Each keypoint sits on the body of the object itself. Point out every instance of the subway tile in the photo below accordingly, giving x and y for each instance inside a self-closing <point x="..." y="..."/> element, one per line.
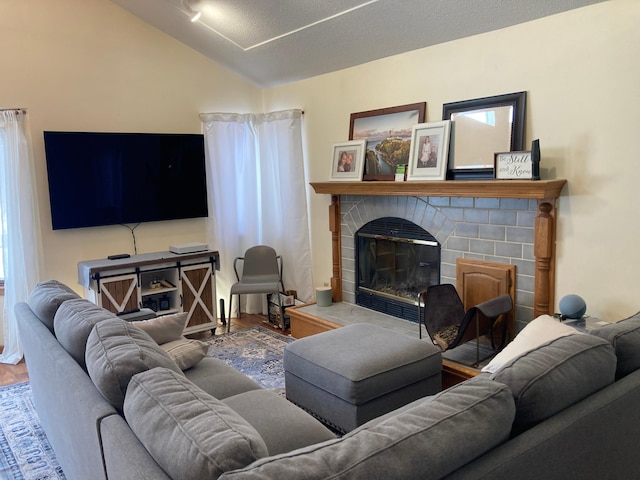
<point x="525" y="282"/>
<point x="491" y="232"/>
<point x="520" y="234"/>
<point x="514" y="203"/>
<point x="461" y="202"/>
<point x="524" y="267"/>
<point x="502" y="217"/>
<point x="453" y="214"/>
<point x="439" y="201"/>
<point x="528" y="252"/>
<point x="476" y="215"/>
<point x="509" y="249"/>
<point x="458" y="243"/>
<point x="485" y="247"/>
<point x="490" y="203"/>
<point x="525" y="298"/>
<point x="467" y="230"/>
<point x="526" y="218"/>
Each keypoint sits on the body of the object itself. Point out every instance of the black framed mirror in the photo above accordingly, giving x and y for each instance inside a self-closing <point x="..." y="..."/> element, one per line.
<point x="480" y="128"/>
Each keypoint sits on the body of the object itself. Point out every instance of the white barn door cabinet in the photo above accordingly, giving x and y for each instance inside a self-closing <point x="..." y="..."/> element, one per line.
<point x="166" y="282"/>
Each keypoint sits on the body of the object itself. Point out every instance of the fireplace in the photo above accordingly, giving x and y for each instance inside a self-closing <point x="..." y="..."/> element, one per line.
<point x="502" y="221"/>
<point x="395" y="260"/>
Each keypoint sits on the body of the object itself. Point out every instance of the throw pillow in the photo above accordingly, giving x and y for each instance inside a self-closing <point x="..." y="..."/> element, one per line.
<point x="45" y="299"/>
<point x="187" y="431"/>
<point x="185" y="352"/>
<point x="555" y="376"/>
<point x="165" y="328"/>
<point x="625" y="338"/>
<point x="116" y="351"/>
<point x="537" y="332"/>
<point x="73" y="323"/>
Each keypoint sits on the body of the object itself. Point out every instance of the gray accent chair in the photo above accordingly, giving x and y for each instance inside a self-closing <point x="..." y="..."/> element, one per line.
<point x="261" y="273"/>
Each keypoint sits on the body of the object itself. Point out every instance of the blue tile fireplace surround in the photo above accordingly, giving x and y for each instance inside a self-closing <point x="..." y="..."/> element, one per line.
<point x="499" y="221"/>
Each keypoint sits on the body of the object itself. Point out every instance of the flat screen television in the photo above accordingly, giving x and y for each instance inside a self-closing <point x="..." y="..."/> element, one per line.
<point x="123" y="178"/>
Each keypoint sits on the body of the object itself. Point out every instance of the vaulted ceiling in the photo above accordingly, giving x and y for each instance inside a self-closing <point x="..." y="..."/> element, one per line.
<point x="272" y="42"/>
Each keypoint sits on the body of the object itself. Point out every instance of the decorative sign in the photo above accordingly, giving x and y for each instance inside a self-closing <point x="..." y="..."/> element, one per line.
<point x="513" y="166"/>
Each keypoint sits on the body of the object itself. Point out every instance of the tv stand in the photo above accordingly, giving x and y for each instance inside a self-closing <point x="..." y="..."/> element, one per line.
<point x="163" y="281"/>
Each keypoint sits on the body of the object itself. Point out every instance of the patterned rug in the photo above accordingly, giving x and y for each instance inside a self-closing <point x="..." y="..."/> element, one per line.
<point x="254" y="351"/>
<point x="25" y="452"/>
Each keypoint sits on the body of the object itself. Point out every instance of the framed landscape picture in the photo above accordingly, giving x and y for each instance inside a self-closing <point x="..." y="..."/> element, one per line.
<point x="348" y="161"/>
<point x="387" y="132"/>
<point x="429" y="151"/>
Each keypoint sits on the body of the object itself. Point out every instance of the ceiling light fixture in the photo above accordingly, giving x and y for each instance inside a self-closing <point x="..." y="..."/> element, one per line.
<point x="194" y="14"/>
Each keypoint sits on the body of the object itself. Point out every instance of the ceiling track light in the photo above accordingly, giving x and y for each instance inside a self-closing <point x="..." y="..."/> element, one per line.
<point x="194" y="15"/>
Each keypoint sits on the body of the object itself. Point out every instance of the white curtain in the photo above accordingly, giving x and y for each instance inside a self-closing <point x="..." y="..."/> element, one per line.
<point x="257" y="196"/>
<point x="21" y="247"/>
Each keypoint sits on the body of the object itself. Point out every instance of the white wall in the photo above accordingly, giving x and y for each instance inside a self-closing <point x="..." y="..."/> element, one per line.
<point x="581" y="72"/>
<point x="89" y="65"/>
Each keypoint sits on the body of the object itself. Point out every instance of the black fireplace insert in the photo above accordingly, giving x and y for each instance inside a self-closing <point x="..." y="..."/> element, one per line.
<point x="395" y="260"/>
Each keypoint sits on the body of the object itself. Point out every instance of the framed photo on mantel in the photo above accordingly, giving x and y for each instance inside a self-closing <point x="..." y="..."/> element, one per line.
<point x="348" y="161"/>
<point x="429" y="151"/>
<point x="387" y="132"/>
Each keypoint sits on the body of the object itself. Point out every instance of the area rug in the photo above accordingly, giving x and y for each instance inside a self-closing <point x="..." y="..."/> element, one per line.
<point x="25" y="452"/>
<point x="256" y="352"/>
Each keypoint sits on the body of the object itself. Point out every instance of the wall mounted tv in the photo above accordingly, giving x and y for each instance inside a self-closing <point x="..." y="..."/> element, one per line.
<point x="122" y="178"/>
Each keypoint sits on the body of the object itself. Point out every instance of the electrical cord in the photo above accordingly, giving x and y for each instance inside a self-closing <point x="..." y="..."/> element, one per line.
<point x="133" y="235"/>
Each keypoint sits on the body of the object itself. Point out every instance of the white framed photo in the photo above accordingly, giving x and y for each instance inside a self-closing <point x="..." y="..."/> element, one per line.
<point x="348" y="161"/>
<point x="429" y="153"/>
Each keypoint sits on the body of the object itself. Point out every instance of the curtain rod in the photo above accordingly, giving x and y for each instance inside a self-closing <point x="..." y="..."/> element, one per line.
<point x="17" y="110"/>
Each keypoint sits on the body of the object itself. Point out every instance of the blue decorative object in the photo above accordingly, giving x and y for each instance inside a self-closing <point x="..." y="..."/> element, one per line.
<point x="572" y="306"/>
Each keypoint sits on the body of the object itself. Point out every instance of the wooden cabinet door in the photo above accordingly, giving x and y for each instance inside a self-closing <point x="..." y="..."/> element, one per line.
<point x="198" y="296"/>
<point x="478" y="281"/>
<point x="119" y="293"/>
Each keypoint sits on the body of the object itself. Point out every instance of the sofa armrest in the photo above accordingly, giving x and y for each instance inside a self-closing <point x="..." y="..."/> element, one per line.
<point x="67" y="402"/>
<point x="125" y="457"/>
<point x="595" y="438"/>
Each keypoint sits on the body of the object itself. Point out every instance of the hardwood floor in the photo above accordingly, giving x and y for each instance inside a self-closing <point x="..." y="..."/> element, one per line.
<point x="10" y="374"/>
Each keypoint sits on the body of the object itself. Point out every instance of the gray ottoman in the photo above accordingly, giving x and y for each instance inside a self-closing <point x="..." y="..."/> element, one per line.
<point x="348" y="376"/>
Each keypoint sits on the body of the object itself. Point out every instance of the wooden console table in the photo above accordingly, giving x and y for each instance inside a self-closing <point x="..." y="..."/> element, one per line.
<point x="166" y="282"/>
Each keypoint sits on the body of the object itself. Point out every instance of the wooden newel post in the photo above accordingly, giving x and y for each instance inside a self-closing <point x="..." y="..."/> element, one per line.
<point x="334" y="227"/>
<point x="544" y="249"/>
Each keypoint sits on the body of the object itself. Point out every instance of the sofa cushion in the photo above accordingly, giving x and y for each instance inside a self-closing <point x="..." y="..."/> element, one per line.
<point x="219" y="379"/>
<point x="73" y="323"/>
<point x="436" y="436"/>
<point x="165" y="328"/>
<point x="285" y="428"/>
<point x="537" y="332"/>
<point x="46" y="298"/>
<point x="188" y="432"/>
<point x="556" y="375"/>
<point x="116" y="351"/>
<point x="625" y="338"/>
<point x="186" y="352"/>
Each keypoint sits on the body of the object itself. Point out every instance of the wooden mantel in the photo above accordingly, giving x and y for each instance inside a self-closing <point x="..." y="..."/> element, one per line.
<point x="539" y="189"/>
<point x="545" y="192"/>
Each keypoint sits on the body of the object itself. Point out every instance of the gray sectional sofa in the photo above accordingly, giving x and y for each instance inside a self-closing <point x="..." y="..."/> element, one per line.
<point x="567" y="409"/>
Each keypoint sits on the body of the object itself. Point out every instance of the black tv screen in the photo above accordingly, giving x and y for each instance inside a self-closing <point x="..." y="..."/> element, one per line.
<point x="123" y="178"/>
